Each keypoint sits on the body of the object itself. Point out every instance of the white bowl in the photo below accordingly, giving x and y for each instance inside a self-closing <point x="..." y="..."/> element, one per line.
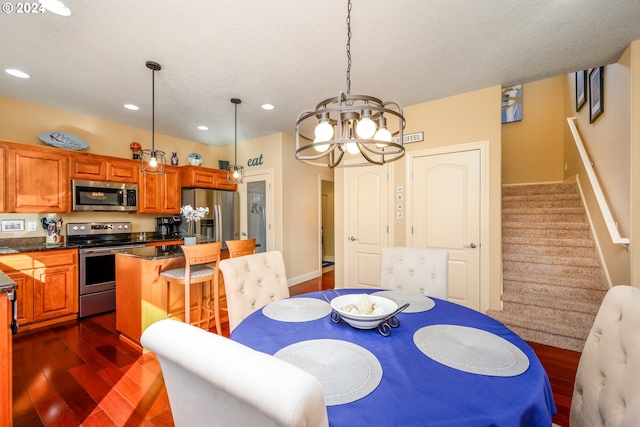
<point x="363" y="321"/>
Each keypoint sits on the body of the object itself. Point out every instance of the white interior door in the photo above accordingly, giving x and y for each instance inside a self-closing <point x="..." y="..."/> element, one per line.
<point x="368" y="224"/>
<point x="256" y="209"/>
<point x="445" y="212"/>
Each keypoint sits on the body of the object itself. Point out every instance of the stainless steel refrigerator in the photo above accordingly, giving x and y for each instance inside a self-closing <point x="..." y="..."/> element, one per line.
<point x="222" y="223"/>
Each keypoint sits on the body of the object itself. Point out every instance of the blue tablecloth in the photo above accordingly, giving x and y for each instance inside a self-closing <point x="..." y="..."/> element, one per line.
<point x="416" y="390"/>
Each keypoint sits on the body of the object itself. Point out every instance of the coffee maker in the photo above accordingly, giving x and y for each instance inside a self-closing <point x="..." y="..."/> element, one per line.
<point x="168" y="227"/>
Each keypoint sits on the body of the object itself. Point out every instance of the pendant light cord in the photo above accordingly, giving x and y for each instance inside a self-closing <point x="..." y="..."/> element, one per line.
<point x="348" y="47"/>
<point x="235" y="139"/>
<point x="153" y="111"/>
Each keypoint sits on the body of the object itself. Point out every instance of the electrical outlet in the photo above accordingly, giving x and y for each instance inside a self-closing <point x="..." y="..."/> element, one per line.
<point x="32" y="226"/>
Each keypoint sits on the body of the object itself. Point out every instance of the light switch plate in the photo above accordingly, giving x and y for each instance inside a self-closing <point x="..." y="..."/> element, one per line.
<point x="32" y="226"/>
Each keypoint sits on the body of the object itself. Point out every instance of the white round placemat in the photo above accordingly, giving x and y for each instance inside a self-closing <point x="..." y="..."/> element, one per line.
<point x="297" y="309"/>
<point x="471" y="350"/>
<point x="346" y="371"/>
<point x="417" y="302"/>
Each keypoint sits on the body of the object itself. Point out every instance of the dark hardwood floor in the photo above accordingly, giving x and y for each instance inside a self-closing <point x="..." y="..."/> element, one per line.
<point x="80" y="374"/>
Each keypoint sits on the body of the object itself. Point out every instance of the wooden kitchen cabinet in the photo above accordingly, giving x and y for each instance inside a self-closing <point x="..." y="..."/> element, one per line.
<point x="101" y="168"/>
<point x="37" y="180"/>
<point x="199" y="177"/>
<point x="47" y="285"/>
<point x="24" y="294"/>
<point x="159" y="193"/>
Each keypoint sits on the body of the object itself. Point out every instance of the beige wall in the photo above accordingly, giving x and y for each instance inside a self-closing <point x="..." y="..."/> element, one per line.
<point x="297" y="201"/>
<point x="607" y="142"/>
<point x="328" y="219"/>
<point x="23" y="122"/>
<point x="532" y="148"/>
<point x="634" y="61"/>
<point x="460" y="119"/>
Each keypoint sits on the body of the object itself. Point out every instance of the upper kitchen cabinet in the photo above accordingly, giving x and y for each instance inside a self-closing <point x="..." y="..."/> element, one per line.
<point x="159" y="193"/>
<point x="37" y="180"/>
<point x="101" y="168"/>
<point x="199" y="177"/>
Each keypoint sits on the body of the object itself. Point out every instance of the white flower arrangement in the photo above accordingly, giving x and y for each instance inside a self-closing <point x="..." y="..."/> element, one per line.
<point x="192" y="216"/>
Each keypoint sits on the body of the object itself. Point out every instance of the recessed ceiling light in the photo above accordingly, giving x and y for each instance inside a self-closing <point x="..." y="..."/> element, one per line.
<point x="17" y="73"/>
<point x="203" y="128"/>
<point x="56" y="7"/>
<point x="131" y="107"/>
<point x="267" y="107"/>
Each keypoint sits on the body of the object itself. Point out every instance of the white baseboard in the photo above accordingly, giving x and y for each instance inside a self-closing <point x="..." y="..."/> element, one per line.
<point x="303" y="278"/>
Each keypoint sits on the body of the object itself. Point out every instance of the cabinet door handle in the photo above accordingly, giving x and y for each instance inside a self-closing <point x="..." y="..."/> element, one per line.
<point x="470" y="246"/>
<point x="353" y="239"/>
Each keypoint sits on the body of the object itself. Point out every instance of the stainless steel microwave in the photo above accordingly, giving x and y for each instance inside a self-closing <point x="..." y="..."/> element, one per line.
<point x="104" y="196"/>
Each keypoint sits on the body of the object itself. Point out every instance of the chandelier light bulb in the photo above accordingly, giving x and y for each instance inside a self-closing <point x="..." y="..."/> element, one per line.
<point x="236" y="175"/>
<point x="322" y="147"/>
<point x="324" y="131"/>
<point x="365" y="128"/>
<point x="383" y="135"/>
<point x="153" y="162"/>
<point x="352" y="148"/>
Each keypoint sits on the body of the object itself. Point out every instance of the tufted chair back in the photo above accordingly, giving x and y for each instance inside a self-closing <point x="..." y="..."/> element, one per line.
<point x="251" y="282"/>
<point x="607" y="387"/>
<point x="420" y="270"/>
<point x="213" y="381"/>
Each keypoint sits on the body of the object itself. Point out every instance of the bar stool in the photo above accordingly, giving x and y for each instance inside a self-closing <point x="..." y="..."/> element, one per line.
<point x="241" y="247"/>
<point x="196" y="272"/>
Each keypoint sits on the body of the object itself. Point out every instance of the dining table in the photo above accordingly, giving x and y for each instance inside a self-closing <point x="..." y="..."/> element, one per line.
<point x="441" y="364"/>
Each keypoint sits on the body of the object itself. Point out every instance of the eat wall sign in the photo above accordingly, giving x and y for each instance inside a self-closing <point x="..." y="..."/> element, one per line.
<point x="256" y="161"/>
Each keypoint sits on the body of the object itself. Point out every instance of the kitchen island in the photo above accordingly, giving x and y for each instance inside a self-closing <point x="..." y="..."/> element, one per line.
<point x="141" y="294"/>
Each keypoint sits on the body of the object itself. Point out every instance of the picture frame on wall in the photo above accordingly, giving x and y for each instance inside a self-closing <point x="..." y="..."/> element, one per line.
<point x="581" y="89"/>
<point x="596" y="93"/>
<point x="12" y="225"/>
<point x="512" y="103"/>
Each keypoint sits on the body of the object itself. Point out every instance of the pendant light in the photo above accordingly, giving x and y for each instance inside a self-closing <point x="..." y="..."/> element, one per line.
<point x="235" y="174"/>
<point x="153" y="161"/>
<point x="355" y="124"/>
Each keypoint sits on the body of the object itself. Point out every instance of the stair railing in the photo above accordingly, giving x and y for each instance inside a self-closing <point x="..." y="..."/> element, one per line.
<point x="597" y="190"/>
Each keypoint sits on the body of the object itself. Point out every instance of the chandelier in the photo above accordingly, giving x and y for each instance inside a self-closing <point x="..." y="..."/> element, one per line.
<point x="235" y="174"/>
<point x="354" y="124"/>
<point x="153" y="161"/>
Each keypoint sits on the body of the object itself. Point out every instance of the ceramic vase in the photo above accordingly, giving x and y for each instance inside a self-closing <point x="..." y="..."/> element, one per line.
<point x="190" y="240"/>
<point x="174" y="159"/>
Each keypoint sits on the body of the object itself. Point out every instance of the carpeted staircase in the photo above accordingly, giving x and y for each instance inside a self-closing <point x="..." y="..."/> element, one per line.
<point x="552" y="278"/>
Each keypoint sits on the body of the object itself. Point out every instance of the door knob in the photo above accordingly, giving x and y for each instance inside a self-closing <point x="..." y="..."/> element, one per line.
<point x="353" y="239"/>
<point x="472" y="246"/>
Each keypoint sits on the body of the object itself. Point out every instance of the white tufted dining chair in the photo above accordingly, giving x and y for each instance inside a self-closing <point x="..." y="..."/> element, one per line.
<point x="251" y="282"/>
<point x="214" y="381"/>
<point x="607" y="386"/>
<point x="419" y="270"/>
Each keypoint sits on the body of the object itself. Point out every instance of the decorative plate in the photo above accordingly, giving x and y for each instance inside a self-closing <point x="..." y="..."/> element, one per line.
<point x="63" y="140"/>
<point x="194" y="159"/>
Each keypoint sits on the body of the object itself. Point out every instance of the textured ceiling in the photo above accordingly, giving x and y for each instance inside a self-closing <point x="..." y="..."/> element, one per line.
<point x="291" y="53"/>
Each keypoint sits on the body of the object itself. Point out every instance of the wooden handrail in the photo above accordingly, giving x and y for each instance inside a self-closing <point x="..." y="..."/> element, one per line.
<point x="602" y="202"/>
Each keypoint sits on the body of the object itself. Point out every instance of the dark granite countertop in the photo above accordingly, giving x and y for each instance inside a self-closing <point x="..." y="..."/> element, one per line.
<point x="156" y="252"/>
<point x="34" y="244"/>
<point x="6" y="284"/>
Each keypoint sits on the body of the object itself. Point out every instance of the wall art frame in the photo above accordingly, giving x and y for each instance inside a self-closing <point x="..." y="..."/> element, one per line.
<point x="512" y="103"/>
<point x="581" y="89"/>
<point x="596" y="93"/>
<point x="10" y="225"/>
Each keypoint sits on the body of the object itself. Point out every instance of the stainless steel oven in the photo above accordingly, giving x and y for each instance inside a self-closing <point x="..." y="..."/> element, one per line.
<point x="98" y="243"/>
